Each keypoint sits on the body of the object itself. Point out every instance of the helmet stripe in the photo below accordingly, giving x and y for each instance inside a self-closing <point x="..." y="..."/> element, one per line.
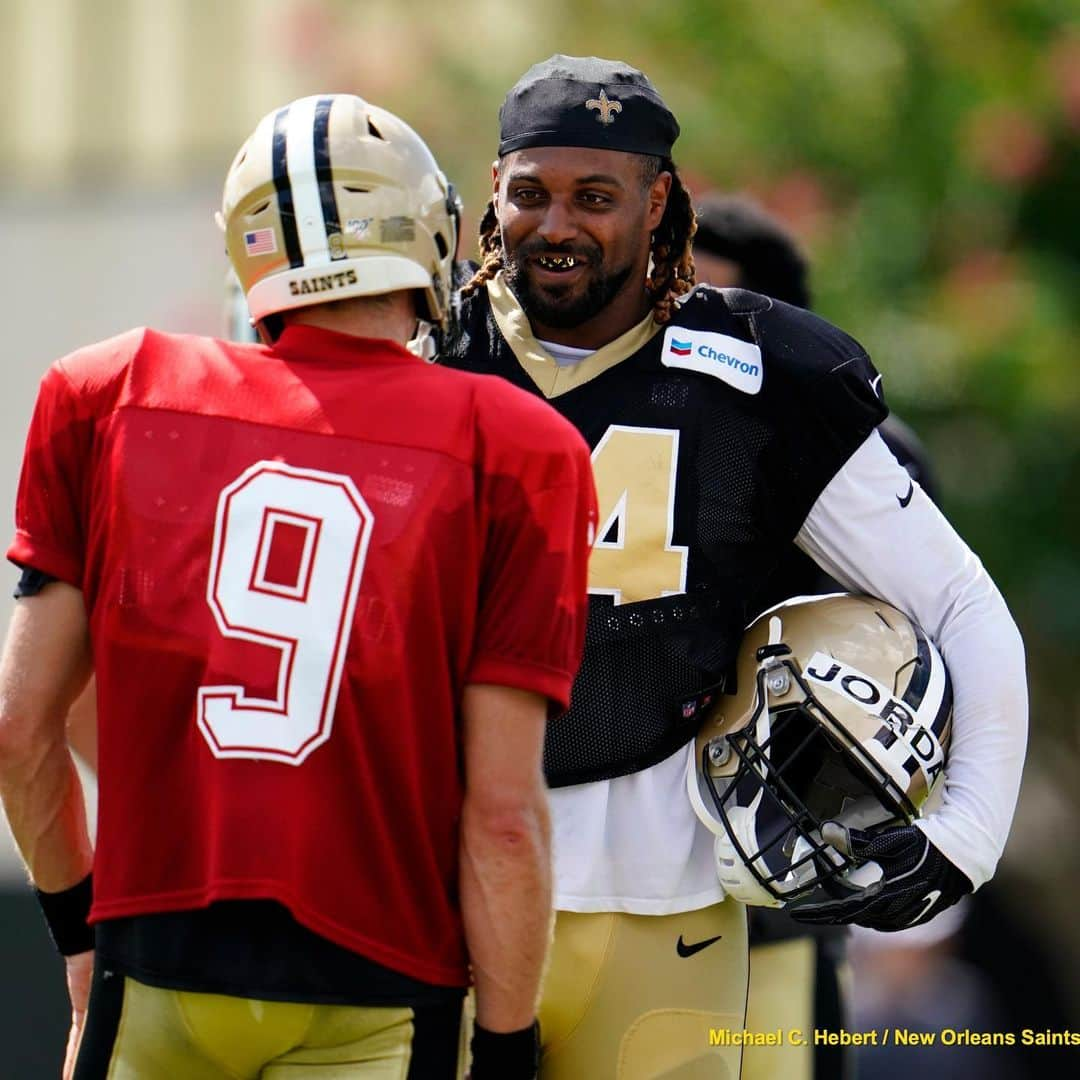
<point x="944" y="713"/>
<point x="930" y="691"/>
<point x="280" y="171"/>
<point x="324" y="175"/>
<point x="920" y="675"/>
<point x="305" y="187"/>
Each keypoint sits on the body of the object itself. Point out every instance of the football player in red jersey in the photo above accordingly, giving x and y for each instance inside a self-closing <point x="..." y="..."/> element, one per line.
<point x="330" y="593"/>
<point x="726" y="428"/>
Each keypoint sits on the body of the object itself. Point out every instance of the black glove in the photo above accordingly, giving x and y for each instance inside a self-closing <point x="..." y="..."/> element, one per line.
<point x="917" y="881"/>
<point x="514" y="1055"/>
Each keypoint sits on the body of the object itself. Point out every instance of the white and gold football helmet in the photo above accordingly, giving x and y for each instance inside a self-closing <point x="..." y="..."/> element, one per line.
<point x="840" y="719"/>
<point x="332" y="197"/>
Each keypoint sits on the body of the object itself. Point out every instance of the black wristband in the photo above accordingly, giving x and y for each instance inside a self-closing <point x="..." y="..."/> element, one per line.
<point x="66" y="913"/>
<point x="510" y="1055"/>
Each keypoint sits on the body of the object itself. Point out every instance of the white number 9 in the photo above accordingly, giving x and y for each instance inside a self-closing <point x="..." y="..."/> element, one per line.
<point x="306" y="612"/>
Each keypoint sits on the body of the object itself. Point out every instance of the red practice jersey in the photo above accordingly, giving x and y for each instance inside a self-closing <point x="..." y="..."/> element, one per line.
<point x="294" y="559"/>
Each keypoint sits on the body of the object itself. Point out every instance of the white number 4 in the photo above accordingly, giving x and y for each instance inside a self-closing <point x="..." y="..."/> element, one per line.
<point x="301" y="604"/>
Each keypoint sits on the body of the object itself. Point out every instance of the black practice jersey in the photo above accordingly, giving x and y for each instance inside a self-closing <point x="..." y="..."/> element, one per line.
<point x="712" y="438"/>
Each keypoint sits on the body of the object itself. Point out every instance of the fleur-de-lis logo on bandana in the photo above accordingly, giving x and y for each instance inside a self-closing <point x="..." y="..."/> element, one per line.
<point x="606" y="107"/>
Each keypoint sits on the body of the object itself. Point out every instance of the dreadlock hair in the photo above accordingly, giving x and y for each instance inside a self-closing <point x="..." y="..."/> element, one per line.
<point x="672" y="269"/>
<point x="490" y="251"/>
<point x="672" y="242"/>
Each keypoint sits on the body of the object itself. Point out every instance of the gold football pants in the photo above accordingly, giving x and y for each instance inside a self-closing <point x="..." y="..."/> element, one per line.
<point x="781" y="997"/>
<point x="637" y="997"/>
<point x="140" y="1032"/>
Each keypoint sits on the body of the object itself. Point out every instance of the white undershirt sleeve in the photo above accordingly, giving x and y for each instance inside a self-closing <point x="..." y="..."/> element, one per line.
<point x="909" y="555"/>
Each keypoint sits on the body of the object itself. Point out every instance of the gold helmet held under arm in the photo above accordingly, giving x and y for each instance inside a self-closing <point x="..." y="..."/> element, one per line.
<point x="840" y="718"/>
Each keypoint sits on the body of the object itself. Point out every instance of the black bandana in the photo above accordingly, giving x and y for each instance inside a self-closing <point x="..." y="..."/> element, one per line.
<point x="589" y="102"/>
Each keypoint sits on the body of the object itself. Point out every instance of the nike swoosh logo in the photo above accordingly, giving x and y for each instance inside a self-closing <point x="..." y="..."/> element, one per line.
<point x="905" y="499"/>
<point x="875" y="385"/>
<point x="931" y="899"/>
<point x="688" y="950"/>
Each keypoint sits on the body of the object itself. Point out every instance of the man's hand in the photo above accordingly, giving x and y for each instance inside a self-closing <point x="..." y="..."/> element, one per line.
<point x="80" y="968"/>
<point x="917" y="881"/>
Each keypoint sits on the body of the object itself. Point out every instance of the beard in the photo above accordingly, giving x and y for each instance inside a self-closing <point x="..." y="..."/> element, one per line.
<point x="558" y="306"/>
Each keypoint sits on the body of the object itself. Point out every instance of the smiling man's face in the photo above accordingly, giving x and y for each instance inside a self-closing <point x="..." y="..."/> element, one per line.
<point x="576" y="228"/>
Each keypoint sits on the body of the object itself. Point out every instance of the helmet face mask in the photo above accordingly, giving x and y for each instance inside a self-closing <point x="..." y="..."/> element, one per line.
<point x="331" y="198"/>
<point x="841" y="714"/>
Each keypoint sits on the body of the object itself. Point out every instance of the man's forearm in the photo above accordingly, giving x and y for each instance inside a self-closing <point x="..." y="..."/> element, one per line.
<point x="45" y="665"/>
<point x="506" y="906"/>
<point x="954" y="600"/>
<point x="43" y="800"/>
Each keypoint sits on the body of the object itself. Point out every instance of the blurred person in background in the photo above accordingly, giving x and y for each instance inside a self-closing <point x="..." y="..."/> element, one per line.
<point x="330" y="593"/>
<point x="724" y="427"/>
<point x="739" y="243"/>
<point x="914" y="981"/>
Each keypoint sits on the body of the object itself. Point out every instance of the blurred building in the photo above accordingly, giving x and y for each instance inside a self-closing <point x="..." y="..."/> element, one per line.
<point x="103" y="90"/>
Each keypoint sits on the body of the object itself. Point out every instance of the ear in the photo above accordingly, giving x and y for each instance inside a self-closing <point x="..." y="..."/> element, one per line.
<point x="658" y="198"/>
<point x="495" y="182"/>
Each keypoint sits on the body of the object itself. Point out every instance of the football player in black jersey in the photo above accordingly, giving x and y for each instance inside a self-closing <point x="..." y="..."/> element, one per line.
<point x="725" y="427"/>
